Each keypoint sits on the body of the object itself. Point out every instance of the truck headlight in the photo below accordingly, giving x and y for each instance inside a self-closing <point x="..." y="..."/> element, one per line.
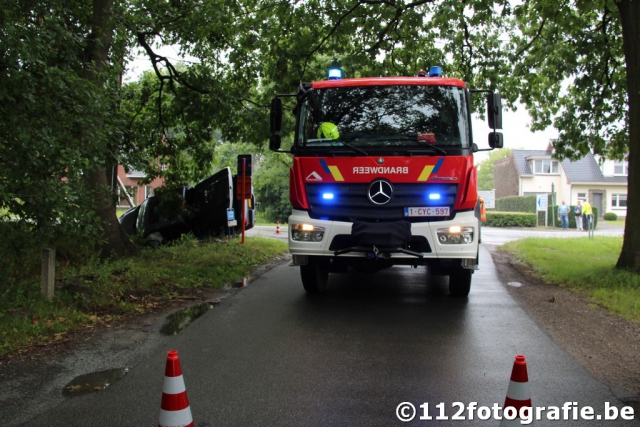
<point x="455" y="235"/>
<point x="306" y="233"/>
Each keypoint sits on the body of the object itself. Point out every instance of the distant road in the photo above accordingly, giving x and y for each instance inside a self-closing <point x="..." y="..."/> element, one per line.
<point x="269" y="231"/>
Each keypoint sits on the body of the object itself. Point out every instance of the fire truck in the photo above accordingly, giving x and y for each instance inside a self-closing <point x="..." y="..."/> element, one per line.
<point x="383" y="175"/>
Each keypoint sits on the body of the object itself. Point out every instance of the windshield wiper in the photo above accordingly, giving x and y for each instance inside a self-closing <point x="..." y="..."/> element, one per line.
<point x="411" y="139"/>
<point x="346" y="144"/>
<point x="435" y="148"/>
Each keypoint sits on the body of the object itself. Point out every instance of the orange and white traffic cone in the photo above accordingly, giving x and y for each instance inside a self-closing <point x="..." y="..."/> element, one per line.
<point x="277" y="227"/>
<point x="518" y="394"/>
<point x="174" y="409"/>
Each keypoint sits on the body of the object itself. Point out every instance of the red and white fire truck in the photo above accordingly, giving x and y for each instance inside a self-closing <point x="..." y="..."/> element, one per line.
<point x="383" y="175"/>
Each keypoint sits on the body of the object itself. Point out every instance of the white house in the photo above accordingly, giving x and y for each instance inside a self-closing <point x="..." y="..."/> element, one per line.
<point x="529" y="172"/>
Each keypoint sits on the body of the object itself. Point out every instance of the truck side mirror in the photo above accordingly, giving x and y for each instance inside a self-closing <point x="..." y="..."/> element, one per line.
<point x="276" y="124"/>
<point x="494" y="111"/>
<point x="496" y="140"/>
<point x="276" y="115"/>
<point x="274" y="142"/>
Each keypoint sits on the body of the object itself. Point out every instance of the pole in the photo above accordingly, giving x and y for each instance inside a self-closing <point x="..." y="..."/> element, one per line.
<point x="48" y="273"/>
<point x="244" y="174"/>
<point x="553" y="212"/>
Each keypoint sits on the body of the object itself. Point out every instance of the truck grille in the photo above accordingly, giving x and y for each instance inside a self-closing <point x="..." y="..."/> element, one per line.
<point x="350" y="202"/>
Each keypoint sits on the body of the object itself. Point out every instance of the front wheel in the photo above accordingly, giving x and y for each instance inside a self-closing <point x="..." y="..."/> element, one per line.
<point x="315" y="276"/>
<point x="460" y="283"/>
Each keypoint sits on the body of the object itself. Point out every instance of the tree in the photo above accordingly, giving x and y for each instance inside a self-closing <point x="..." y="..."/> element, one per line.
<point x="62" y="65"/>
<point x="54" y="92"/>
<point x="576" y="64"/>
<point x="486" y="167"/>
<point x="67" y="122"/>
<point x="271" y="187"/>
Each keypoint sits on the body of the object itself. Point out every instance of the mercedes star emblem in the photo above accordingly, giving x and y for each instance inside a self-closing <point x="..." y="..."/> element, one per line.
<point x="380" y="192"/>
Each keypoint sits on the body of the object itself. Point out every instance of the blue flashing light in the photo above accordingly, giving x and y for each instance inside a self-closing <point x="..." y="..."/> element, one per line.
<point x="434" y="196"/>
<point x="327" y="196"/>
<point x="435" y="71"/>
<point x="335" y="73"/>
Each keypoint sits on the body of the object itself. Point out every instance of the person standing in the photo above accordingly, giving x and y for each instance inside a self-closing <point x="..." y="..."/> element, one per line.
<point x="587" y="215"/>
<point x="577" y="211"/>
<point x="563" y="212"/>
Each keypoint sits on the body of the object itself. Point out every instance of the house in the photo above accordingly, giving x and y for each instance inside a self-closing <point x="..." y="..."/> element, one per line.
<point x="530" y="172"/>
<point x="138" y="192"/>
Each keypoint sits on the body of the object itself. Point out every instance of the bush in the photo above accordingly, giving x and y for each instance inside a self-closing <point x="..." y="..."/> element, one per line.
<point x="610" y="216"/>
<point x="510" y="219"/>
<point x="516" y="204"/>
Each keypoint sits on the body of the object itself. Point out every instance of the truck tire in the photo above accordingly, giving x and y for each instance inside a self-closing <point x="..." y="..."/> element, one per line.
<point x="315" y="276"/>
<point x="460" y="283"/>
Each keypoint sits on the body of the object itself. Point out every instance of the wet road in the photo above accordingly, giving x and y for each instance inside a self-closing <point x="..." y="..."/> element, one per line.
<point x="273" y="356"/>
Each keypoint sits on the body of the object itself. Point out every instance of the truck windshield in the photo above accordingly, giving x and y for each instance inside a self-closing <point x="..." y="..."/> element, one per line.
<point x="384" y="117"/>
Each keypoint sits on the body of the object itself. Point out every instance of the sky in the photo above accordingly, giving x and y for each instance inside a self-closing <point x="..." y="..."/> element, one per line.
<point x="515" y="131"/>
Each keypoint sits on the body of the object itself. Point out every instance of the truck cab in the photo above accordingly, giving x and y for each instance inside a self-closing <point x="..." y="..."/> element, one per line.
<point x="383" y="175"/>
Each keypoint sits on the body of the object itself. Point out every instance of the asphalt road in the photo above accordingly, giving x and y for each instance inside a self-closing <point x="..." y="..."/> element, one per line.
<point x="272" y="356"/>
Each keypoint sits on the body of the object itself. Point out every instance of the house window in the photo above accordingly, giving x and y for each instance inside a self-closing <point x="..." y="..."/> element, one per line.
<point x="621" y="168"/>
<point x="618" y="200"/>
<point x="582" y="196"/>
<point x="545" y="166"/>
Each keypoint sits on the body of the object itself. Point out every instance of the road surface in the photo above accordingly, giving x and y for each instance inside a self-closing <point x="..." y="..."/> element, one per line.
<point x="273" y="356"/>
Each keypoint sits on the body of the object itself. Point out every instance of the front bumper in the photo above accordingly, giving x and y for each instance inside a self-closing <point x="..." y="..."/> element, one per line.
<point x="428" y="230"/>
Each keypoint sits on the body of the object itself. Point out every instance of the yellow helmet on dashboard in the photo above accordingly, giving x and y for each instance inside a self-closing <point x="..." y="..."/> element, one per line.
<point x="328" y="130"/>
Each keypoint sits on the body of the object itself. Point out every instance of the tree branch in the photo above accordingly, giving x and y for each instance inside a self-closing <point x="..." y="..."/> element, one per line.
<point x="391" y="3"/>
<point x="174" y="75"/>
<point x="533" y="40"/>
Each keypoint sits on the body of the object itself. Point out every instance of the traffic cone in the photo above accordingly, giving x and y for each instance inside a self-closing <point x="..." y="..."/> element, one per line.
<point x="518" y="394"/>
<point x="174" y="409"/>
<point x="277" y="227"/>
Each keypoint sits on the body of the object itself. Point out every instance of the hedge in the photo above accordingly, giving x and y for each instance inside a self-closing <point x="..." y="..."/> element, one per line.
<point x="509" y="219"/>
<point x="527" y="204"/>
<point x="516" y="204"/>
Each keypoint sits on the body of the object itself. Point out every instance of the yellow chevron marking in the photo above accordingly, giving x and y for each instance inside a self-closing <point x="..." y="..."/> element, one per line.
<point x="336" y="173"/>
<point x="425" y="173"/>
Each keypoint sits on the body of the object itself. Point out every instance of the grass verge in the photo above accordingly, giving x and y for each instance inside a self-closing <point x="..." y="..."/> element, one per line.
<point x="586" y="266"/>
<point x="99" y="293"/>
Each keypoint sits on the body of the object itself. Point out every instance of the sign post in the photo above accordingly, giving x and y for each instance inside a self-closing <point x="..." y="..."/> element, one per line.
<point x="489" y="198"/>
<point x="231" y="222"/>
<point x="243" y="183"/>
<point x="542" y="203"/>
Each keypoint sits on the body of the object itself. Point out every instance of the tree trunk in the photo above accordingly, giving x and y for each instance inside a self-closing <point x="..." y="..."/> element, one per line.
<point x="630" y="17"/>
<point x="115" y="242"/>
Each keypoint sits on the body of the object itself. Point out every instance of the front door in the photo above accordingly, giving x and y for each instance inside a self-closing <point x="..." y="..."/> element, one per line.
<point x="597" y="203"/>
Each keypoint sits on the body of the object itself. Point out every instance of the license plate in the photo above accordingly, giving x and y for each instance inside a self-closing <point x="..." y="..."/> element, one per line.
<point x="431" y="211"/>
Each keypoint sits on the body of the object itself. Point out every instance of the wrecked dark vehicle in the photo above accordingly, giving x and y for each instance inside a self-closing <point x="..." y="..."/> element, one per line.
<point x="204" y="211"/>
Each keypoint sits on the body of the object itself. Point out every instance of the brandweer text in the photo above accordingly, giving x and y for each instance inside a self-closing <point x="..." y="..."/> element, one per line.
<point x="380" y="170"/>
